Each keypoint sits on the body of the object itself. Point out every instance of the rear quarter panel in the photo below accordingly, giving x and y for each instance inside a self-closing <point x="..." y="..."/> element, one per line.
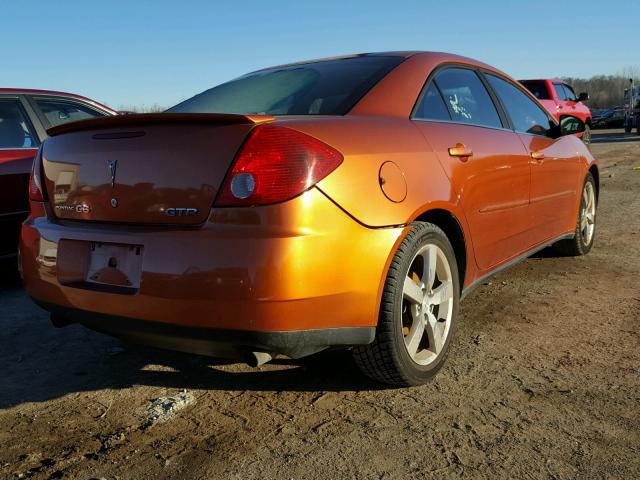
<point x="367" y="143"/>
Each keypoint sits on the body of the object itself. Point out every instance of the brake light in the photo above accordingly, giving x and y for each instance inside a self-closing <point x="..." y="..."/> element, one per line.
<point x="276" y="164"/>
<point x="36" y="192"/>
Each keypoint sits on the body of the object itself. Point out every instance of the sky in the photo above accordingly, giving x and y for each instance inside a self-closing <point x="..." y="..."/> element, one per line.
<point x="143" y="53"/>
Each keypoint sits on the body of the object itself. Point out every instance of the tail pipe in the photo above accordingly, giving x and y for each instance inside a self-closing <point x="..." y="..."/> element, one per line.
<point x="256" y="359"/>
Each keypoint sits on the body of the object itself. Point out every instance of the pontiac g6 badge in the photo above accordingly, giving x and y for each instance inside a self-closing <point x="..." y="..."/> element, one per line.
<point x="76" y="207"/>
<point x="180" y="212"/>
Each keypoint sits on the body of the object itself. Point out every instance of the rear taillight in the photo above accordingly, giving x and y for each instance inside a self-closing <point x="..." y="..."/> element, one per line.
<point x="276" y="164"/>
<point x="36" y="192"/>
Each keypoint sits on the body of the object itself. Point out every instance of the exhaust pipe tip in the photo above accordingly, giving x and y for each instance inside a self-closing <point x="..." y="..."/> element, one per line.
<point x="256" y="359"/>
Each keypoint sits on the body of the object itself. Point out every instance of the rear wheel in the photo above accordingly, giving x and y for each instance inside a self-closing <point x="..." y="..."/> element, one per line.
<point x="585" y="231"/>
<point x="417" y="313"/>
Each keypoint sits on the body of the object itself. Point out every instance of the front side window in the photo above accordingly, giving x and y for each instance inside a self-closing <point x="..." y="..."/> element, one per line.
<point x="328" y="87"/>
<point x="560" y="93"/>
<point x="538" y="88"/>
<point x="466" y="98"/>
<point x="15" y="129"/>
<point x="525" y="114"/>
<point x="432" y="106"/>
<point x="58" y="112"/>
<point x="569" y="93"/>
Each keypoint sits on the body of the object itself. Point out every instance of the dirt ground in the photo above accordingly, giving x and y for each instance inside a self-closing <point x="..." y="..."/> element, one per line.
<point x="542" y="382"/>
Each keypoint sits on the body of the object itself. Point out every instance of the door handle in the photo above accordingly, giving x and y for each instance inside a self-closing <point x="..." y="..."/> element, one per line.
<point x="461" y="151"/>
<point x="537" y="158"/>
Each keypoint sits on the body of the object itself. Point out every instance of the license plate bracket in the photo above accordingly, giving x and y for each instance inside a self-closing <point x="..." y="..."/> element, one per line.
<point x="114" y="264"/>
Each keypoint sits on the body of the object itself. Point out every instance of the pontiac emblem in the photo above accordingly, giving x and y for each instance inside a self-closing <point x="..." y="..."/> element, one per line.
<point x="113" y="164"/>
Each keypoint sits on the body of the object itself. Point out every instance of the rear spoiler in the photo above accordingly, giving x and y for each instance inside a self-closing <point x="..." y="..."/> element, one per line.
<point x="141" y="119"/>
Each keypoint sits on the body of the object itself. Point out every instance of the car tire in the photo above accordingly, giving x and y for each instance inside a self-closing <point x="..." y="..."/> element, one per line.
<point x="585" y="231"/>
<point x="403" y="353"/>
<point x="586" y="135"/>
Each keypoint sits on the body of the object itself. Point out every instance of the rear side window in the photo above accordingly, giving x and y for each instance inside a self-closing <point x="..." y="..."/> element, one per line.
<point x="330" y="87"/>
<point x="466" y="98"/>
<point x="560" y="93"/>
<point x="525" y="114"/>
<point x="432" y="106"/>
<point x="539" y="89"/>
<point x="15" y="129"/>
<point x="58" y="112"/>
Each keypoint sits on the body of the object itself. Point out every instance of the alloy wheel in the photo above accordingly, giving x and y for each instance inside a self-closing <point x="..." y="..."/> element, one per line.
<point x="588" y="213"/>
<point x="427" y="305"/>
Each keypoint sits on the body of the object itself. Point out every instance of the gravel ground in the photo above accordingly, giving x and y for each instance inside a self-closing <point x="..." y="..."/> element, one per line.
<point x="542" y="382"/>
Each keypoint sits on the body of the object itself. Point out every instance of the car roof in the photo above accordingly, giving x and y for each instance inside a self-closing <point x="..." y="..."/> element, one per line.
<point x="34" y="91"/>
<point x="396" y="53"/>
<point x="395" y="95"/>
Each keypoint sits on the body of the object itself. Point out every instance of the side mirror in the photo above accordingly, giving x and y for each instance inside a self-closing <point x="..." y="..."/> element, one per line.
<point x="570" y="125"/>
<point x="583" y="97"/>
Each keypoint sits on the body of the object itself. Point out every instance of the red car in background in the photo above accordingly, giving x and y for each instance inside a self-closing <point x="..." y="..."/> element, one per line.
<point x="25" y="116"/>
<point x="559" y="99"/>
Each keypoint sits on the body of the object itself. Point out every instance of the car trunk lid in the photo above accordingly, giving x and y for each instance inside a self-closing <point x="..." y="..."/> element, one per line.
<point x="142" y="169"/>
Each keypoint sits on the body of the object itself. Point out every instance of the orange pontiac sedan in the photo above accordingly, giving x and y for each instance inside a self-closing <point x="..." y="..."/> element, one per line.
<point x="345" y="202"/>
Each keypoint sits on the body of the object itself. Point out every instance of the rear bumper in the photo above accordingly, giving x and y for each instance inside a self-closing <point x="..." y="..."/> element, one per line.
<point x="292" y="278"/>
<point x="214" y="342"/>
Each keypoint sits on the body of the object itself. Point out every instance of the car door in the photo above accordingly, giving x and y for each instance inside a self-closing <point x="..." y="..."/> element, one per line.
<point x="555" y="167"/>
<point x="486" y="162"/>
<point x="18" y="145"/>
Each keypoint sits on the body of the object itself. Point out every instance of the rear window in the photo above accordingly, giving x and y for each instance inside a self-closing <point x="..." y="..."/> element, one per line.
<point x="539" y="89"/>
<point x="330" y="87"/>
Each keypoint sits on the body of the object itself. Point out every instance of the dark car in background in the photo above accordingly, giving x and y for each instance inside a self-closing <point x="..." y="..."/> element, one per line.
<point x="608" y="118"/>
<point x="25" y="116"/>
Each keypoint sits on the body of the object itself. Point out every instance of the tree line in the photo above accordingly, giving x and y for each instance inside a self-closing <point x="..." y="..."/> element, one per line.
<point x="605" y="91"/>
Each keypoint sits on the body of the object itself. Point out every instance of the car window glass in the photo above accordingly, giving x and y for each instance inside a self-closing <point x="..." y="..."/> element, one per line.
<point x="560" y="93"/>
<point x="571" y="96"/>
<point x="328" y="87"/>
<point x="539" y="89"/>
<point x="466" y="98"/>
<point x="526" y="115"/>
<point x="15" y="130"/>
<point x="58" y="112"/>
<point x="431" y="106"/>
